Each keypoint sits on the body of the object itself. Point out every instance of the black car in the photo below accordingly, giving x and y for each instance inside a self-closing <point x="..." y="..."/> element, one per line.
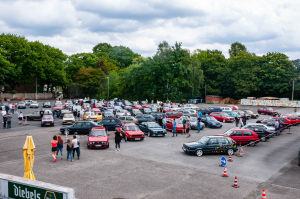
<point x="214" y="109"/>
<point x="21" y="105"/>
<point x="144" y="118"/>
<point x="110" y="123"/>
<point x="152" y="129"/>
<point x="47" y="104"/>
<point x="204" y="111"/>
<point x="271" y="122"/>
<point x="210" y="145"/>
<point x="81" y="127"/>
<point x="261" y="130"/>
<point x="210" y="122"/>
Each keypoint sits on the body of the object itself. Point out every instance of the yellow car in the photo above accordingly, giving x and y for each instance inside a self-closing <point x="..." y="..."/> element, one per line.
<point x="92" y="116"/>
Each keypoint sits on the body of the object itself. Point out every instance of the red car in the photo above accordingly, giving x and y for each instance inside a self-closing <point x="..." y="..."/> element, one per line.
<point x="285" y="120"/>
<point x="233" y="107"/>
<point x="267" y="111"/>
<point x="131" y="132"/>
<point x="58" y="107"/>
<point x="179" y="125"/>
<point x="136" y="106"/>
<point x="222" y="117"/>
<point x="173" y="115"/>
<point x="242" y="136"/>
<point x="98" y="138"/>
<point x="294" y="119"/>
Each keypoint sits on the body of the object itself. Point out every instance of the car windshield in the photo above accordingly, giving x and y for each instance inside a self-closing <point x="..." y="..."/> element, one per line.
<point x="229" y="132"/>
<point x="131" y="128"/>
<point x="98" y="132"/>
<point x="68" y="116"/>
<point x="47" y="117"/>
<point x="211" y="119"/>
<point x="203" y="140"/>
<point x="153" y="125"/>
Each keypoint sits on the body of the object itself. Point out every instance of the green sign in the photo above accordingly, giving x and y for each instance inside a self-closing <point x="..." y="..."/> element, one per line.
<point x="21" y="191"/>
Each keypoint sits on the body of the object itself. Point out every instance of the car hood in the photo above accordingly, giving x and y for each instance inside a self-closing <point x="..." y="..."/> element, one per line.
<point x="192" y="144"/>
<point x="156" y="129"/>
<point x="134" y="132"/>
<point x="214" y="123"/>
<point x="97" y="139"/>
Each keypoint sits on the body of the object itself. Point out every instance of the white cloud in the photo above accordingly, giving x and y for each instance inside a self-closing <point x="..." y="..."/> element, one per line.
<point x="77" y="25"/>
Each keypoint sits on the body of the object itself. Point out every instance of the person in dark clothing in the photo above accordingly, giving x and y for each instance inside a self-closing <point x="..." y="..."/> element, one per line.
<point x="118" y="138"/>
<point x="4" y="121"/>
<point x="8" y="120"/>
<point x="244" y="120"/>
<point x="237" y="121"/>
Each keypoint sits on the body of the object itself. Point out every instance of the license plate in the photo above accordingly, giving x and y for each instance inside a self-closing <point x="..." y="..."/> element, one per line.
<point x="98" y="145"/>
<point x="137" y="139"/>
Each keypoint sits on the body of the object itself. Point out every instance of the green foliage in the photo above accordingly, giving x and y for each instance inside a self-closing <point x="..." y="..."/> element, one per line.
<point x="237" y="48"/>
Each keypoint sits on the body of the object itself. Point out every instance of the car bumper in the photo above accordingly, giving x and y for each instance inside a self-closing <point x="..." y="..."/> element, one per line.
<point x="189" y="151"/>
<point x="135" y="138"/>
<point x="47" y="123"/>
<point x="156" y="134"/>
<point x="98" y="146"/>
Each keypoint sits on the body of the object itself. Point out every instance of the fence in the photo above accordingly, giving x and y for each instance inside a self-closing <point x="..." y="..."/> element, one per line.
<point x="40" y="96"/>
<point x="280" y="103"/>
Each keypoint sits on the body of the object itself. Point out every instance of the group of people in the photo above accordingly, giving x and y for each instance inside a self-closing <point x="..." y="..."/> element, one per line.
<point x="240" y="121"/>
<point x="73" y="146"/>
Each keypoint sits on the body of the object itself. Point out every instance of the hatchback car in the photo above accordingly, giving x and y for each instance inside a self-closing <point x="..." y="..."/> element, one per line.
<point x="242" y="136"/>
<point x="98" y="138"/>
<point x="68" y="119"/>
<point x="222" y="117"/>
<point x="267" y="111"/>
<point x="47" y="104"/>
<point x="81" y="127"/>
<point x="264" y="132"/>
<point x="152" y="129"/>
<point x="179" y="125"/>
<point x="110" y="123"/>
<point x="131" y="132"/>
<point x="47" y="120"/>
<point x="211" y="145"/>
<point x="21" y="105"/>
<point x="210" y="122"/>
<point x="173" y="114"/>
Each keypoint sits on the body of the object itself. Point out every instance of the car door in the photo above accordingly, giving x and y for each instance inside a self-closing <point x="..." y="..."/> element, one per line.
<point x="212" y="146"/>
<point x="76" y="128"/>
<point x="248" y="136"/>
<point x="143" y="128"/>
<point x="237" y="136"/>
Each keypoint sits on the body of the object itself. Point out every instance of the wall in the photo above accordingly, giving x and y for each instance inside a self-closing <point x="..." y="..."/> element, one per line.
<point x="213" y="99"/>
<point x="280" y="103"/>
<point x="40" y="96"/>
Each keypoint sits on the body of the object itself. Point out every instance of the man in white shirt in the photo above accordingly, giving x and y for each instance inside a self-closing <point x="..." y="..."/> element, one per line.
<point x="76" y="148"/>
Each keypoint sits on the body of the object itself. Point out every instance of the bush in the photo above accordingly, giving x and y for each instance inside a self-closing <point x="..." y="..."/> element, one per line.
<point x="13" y="92"/>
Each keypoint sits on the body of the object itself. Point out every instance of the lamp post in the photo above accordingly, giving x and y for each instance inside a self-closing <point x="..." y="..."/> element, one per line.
<point x="107" y="88"/>
<point x="293" y="89"/>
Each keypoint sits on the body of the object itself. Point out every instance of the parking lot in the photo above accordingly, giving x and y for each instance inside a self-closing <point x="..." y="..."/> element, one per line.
<point x="157" y="166"/>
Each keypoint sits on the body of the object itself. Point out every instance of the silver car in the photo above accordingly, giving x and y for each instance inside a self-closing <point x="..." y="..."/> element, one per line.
<point x="34" y="104"/>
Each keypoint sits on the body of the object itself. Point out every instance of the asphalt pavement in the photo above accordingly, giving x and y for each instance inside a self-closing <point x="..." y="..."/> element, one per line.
<point x="157" y="166"/>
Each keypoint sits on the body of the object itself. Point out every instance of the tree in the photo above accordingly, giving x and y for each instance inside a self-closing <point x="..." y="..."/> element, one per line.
<point x="237" y="48"/>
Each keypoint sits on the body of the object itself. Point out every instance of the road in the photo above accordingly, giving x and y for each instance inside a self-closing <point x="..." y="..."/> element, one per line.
<point x="157" y="167"/>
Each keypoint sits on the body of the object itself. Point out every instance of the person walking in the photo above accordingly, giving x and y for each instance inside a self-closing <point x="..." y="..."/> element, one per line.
<point x="13" y="107"/>
<point x="241" y="122"/>
<point x="174" y="128"/>
<point x="4" y="121"/>
<point x="164" y="122"/>
<point x="244" y="120"/>
<point x="20" y="117"/>
<point x="76" y="148"/>
<point x="184" y="125"/>
<point x="60" y="146"/>
<point x="188" y="128"/>
<point x="199" y="124"/>
<point x="237" y="121"/>
<point x="8" y="120"/>
<point x="277" y="127"/>
<point x="118" y="138"/>
<point x="69" y="150"/>
<point x="54" y="147"/>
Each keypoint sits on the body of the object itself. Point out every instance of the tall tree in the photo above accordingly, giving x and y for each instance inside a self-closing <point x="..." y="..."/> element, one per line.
<point x="237" y="48"/>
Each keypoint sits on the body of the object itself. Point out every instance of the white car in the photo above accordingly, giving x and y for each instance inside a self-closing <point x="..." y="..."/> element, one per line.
<point x="122" y="112"/>
<point x="34" y="104"/>
<point x="190" y="106"/>
<point x="68" y="119"/>
<point x="226" y="108"/>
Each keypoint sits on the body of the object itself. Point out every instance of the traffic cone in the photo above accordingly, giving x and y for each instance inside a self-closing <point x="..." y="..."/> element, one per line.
<point x="230" y="159"/>
<point x="264" y="195"/>
<point x="225" y="172"/>
<point x="235" y="185"/>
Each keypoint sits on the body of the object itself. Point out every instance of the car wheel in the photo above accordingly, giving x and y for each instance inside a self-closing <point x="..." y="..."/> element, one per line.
<point x="230" y="151"/>
<point x="199" y="153"/>
<point x="263" y="139"/>
<point x="252" y="143"/>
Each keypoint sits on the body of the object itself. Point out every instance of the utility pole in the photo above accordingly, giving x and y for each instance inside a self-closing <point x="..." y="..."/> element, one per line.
<point x="35" y="87"/>
<point x="293" y="89"/>
<point x="107" y="88"/>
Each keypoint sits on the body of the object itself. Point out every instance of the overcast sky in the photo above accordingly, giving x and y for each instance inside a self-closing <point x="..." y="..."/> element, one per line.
<point x="77" y="25"/>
